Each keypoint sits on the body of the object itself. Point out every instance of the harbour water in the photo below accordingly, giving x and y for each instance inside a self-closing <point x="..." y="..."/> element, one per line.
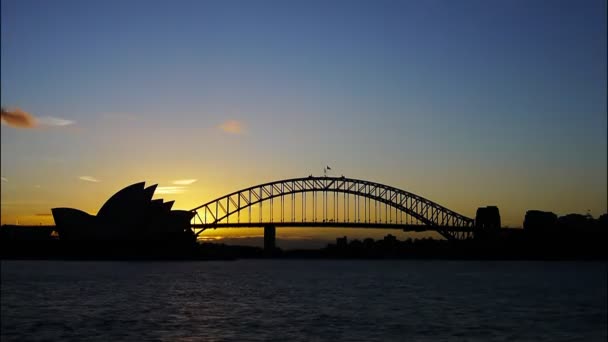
<point x="304" y="300"/>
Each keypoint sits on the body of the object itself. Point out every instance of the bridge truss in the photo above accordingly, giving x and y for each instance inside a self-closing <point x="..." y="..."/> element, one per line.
<point x="330" y="202"/>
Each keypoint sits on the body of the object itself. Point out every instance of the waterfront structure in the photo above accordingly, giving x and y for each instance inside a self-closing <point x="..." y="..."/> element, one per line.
<point x="129" y="215"/>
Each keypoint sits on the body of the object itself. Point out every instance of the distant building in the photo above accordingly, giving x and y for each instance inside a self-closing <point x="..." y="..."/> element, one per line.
<point x="390" y="238"/>
<point x="487" y="218"/>
<point x="603" y="221"/>
<point x="536" y="220"/>
<point x="129" y="215"/>
<point x="390" y="242"/>
<point x="341" y="242"/>
<point x="574" y="221"/>
<point x="26" y="233"/>
<point x="356" y="244"/>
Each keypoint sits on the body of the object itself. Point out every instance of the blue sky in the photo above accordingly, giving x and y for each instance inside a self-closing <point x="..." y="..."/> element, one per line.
<point x="468" y="103"/>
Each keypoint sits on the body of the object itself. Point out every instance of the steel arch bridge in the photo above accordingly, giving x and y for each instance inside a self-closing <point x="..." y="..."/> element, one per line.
<point x="330" y="202"/>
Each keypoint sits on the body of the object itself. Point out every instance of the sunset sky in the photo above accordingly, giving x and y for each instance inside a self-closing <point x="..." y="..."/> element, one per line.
<point x="466" y="103"/>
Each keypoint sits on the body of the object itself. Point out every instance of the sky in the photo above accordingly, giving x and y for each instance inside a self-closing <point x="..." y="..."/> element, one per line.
<point x="466" y="103"/>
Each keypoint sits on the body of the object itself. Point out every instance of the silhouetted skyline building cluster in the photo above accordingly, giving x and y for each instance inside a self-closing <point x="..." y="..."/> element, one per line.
<point x="537" y="221"/>
<point x="131" y="218"/>
<point x="389" y="242"/>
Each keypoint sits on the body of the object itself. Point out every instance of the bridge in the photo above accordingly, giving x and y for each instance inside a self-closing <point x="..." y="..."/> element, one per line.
<point x="330" y="202"/>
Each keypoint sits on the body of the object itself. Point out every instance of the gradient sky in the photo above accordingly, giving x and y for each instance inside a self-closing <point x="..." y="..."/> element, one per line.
<point x="467" y="103"/>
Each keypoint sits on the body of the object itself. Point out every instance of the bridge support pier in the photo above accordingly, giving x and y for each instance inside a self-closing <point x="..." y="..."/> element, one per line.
<point x="270" y="233"/>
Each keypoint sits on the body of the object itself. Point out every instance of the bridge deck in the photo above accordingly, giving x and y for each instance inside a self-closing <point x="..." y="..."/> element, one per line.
<point x="404" y="227"/>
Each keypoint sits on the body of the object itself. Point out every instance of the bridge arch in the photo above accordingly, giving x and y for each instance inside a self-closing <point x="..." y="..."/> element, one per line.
<point x="448" y="223"/>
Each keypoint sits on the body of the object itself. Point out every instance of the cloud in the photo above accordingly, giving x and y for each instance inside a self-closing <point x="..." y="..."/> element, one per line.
<point x="4" y="179"/>
<point x="20" y="119"/>
<point x="233" y="127"/>
<point x="164" y="190"/>
<point x="51" y="121"/>
<point x="17" y="118"/>
<point x="89" y="179"/>
<point x="184" y="181"/>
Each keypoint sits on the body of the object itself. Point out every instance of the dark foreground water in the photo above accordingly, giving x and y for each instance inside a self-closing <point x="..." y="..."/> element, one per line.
<point x="290" y="300"/>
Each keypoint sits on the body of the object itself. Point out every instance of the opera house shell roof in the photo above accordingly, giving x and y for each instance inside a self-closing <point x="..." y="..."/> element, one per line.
<point x="130" y="214"/>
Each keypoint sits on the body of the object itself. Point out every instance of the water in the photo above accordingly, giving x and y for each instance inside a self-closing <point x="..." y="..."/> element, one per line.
<point x="304" y="300"/>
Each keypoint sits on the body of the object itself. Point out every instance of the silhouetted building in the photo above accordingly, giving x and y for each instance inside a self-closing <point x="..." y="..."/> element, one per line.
<point x="487" y="218"/>
<point x="536" y="220"/>
<point x="603" y="221"/>
<point x="390" y="238"/>
<point x="129" y="215"/>
<point x="574" y="221"/>
<point x="341" y="242"/>
<point x="356" y="244"/>
<point x="269" y="238"/>
<point x="369" y="243"/>
<point x="26" y="233"/>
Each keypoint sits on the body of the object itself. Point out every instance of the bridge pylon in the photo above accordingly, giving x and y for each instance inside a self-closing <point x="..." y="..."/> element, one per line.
<point x="270" y="234"/>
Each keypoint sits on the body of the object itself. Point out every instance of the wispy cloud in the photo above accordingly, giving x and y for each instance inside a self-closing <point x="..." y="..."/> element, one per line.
<point x="184" y="181"/>
<point x="51" y="121"/>
<point x="233" y="127"/>
<point x="21" y="119"/>
<point x="4" y="179"/>
<point x="89" y="179"/>
<point x="164" y="190"/>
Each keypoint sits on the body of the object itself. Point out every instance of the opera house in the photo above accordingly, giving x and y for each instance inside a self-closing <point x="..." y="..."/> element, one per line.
<point x="129" y="215"/>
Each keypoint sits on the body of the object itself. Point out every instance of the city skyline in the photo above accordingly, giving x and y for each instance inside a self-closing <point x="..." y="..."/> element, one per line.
<point x="468" y="104"/>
